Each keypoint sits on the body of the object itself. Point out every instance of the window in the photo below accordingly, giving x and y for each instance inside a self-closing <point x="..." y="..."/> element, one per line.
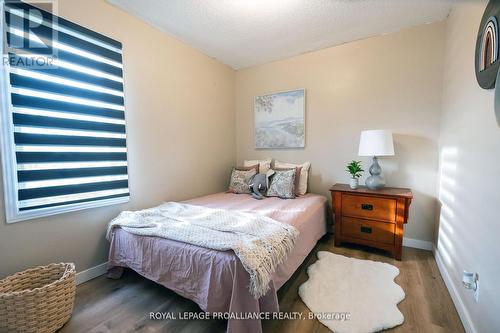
<point x="63" y="116"/>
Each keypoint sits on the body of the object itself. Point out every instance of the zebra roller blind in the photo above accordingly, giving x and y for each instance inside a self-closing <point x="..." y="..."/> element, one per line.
<point x="65" y="102"/>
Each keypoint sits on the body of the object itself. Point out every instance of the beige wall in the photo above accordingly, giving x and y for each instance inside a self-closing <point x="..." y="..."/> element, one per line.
<point x="388" y="82"/>
<point x="469" y="187"/>
<point x="180" y="126"/>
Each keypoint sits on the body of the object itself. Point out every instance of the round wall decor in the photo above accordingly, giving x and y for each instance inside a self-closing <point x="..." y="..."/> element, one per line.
<point x="487" y="46"/>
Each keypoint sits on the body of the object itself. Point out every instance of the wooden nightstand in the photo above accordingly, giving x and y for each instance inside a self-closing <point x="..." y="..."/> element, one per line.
<point x="372" y="218"/>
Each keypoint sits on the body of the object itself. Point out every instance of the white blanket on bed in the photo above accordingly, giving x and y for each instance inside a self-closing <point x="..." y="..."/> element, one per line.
<point x="260" y="242"/>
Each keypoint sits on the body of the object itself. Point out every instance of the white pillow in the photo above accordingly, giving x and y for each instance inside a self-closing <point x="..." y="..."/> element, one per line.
<point x="264" y="165"/>
<point x="304" y="174"/>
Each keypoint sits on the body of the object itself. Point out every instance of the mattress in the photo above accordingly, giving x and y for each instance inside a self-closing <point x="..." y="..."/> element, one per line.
<point x="216" y="280"/>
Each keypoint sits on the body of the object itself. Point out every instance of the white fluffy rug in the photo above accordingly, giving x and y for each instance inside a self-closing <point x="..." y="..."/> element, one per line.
<point x="361" y="291"/>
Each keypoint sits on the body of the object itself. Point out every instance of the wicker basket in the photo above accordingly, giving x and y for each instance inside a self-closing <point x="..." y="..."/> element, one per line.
<point x="38" y="300"/>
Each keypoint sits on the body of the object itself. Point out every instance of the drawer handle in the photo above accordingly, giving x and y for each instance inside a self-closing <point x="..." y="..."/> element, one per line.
<point x="366" y="230"/>
<point x="366" y="207"/>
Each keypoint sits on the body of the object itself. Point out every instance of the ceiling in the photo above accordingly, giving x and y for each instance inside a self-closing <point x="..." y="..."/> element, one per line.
<point x="244" y="33"/>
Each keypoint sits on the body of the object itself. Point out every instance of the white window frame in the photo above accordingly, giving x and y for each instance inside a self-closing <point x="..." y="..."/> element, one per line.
<point x="8" y="152"/>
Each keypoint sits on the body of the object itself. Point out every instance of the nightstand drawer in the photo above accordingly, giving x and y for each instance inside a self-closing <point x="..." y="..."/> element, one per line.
<point x="369" y="207"/>
<point x="381" y="232"/>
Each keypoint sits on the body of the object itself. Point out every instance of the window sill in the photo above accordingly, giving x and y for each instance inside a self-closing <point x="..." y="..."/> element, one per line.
<point x="44" y="212"/>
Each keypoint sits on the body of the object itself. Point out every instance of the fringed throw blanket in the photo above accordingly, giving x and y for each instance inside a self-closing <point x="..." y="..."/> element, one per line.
<point x="260" y="242"/>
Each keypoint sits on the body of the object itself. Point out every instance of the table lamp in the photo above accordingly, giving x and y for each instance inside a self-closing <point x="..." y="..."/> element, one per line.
<point x="376" y="143"/>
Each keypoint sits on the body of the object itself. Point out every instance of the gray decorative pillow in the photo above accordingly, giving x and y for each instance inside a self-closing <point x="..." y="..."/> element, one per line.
<point x="240" y="181"/>
<point x="282" y="184"/>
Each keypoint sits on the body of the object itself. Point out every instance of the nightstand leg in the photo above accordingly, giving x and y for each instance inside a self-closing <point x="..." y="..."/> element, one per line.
<point x="397" y="254"/>
<point x="398" y="239"/>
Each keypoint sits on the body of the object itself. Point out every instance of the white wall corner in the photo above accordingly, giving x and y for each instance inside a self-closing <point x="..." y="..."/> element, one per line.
<point x="91" y="273"/>
<point x="418" y="244"/>
<point x="455" y="295"/>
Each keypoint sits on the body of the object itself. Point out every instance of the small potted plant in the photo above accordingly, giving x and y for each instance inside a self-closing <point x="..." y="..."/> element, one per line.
<point x="355" y="170"/>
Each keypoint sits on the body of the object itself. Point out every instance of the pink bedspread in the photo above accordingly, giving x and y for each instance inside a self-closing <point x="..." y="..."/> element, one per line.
<point x="216" y="280"/>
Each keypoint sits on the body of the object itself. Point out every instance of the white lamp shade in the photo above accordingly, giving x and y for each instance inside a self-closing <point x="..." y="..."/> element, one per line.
<point x="376" y="143"/>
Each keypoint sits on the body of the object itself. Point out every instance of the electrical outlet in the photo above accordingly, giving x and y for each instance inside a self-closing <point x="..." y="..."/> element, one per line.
<point x="471" y="281"/>
<point x="476" y="292"/>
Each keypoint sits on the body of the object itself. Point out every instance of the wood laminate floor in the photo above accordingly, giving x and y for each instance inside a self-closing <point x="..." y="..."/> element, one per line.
<point x="104" y="305"/>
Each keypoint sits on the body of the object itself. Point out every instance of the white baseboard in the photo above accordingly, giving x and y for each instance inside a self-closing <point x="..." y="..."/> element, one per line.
<point x="418" y="244"/>
<point x="101" y="269"/>
<point x="91" y="273"/>
<point x="455" y="296"/>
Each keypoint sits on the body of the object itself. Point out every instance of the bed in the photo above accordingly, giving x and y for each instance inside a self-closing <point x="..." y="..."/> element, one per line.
<point x="216" y="280"/>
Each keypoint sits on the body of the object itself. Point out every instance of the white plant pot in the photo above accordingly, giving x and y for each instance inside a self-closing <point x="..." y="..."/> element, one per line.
<point x="354" y="183"/>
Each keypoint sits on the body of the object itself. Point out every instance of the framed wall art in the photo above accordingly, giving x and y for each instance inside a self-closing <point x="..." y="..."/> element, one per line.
<point x="280" y="120"/>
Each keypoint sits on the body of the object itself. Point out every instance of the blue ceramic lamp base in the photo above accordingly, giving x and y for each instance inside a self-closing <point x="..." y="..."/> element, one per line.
<point x="375" y="181"/>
